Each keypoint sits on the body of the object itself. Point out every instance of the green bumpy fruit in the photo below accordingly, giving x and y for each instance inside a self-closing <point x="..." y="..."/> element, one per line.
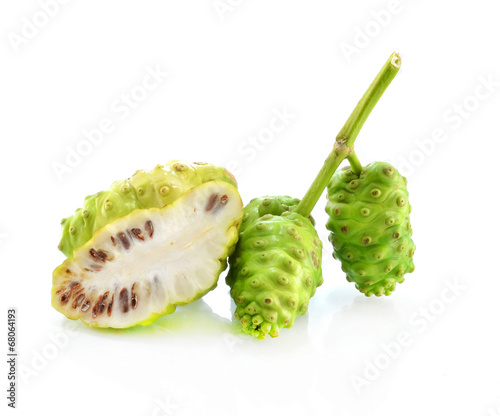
<point x="370" y="227"/>
<point x="276" y="266"/>
<point x="142" y="265"/>
<point x="144" y="190"/>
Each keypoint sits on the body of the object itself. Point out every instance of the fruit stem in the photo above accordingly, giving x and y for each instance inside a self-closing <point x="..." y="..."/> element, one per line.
<point x="344" y="143"/>
<point x="356" y="166"/>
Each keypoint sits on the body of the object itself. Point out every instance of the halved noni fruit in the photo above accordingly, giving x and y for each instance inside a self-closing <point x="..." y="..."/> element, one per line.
<point x="142" y="265"/>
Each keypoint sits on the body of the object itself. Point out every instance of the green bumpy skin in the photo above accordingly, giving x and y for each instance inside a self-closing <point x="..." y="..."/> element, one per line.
<point x="370" y="227"/>
<point x="276" y="266"/>
<point x="146" y="189"/>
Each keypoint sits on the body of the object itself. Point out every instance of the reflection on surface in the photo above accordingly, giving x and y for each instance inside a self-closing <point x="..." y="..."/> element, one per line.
<point x="195" y="317"/>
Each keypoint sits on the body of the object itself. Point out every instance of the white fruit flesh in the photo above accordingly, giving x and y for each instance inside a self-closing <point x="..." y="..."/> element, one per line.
<point x="140" y="266"/>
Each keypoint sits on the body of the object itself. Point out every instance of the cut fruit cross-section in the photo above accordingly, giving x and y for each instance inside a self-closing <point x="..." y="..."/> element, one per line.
<point x="142" y="265"/>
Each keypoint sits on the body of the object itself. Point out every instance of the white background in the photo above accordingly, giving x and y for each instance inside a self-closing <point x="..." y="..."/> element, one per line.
<point x="227" y="72"/>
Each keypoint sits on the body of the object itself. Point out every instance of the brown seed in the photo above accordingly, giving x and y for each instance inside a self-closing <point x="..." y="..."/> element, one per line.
<point x="102" y="255"/>
<point x="123" y="299"/>
<point x="211" y="202"/>
<point x="102" y="304"/>
<point x="78" y="291"/>
<point x="113" y="240"/>
<point x="223" y="201"/>
<point x="110" y="305"/>
<point x="137" y="233"/>
<point x="96" y="307"/>
<point x="65" y="297"/>
<point x="86" y="305"/>
<point x="149" y="228"/>
<point x="78" y="301"/>
<point x="124" y="240"/>
<point x="74" y="285"/>
<point x="133" y="298"/>
<point x="101" y="308"/>
<point x="96" y="267"/>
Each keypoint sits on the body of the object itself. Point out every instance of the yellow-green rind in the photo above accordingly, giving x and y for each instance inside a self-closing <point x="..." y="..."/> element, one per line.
<point x="369" y="220"/>
<point x="275" y="268"/>
<point x="145" y="189"/>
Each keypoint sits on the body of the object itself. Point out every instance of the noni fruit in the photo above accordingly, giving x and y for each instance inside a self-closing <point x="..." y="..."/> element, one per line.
<point x="370" y="227"/>
<point x="276" y="266"/>
<point x="143" y="264"/>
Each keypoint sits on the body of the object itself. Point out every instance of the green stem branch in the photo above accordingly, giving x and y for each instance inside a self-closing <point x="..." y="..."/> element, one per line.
<point x="356" y="166"/>
<point x="344" y="143"/>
